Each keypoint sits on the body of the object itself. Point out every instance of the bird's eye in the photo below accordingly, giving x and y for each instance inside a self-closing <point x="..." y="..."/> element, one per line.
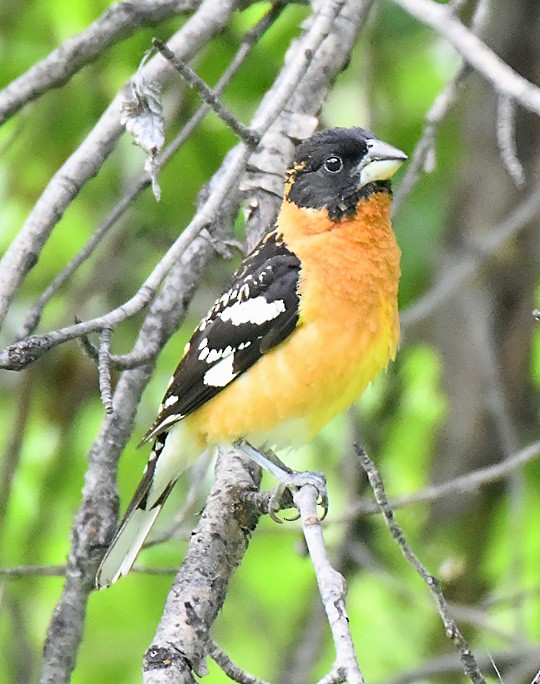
<point x="333" y="164"/>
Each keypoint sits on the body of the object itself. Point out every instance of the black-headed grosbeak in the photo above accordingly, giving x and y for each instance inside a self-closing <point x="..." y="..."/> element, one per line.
<point x="309" y="319"/>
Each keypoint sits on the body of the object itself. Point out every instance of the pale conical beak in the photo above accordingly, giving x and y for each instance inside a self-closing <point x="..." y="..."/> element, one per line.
<point x="379" y="163"/>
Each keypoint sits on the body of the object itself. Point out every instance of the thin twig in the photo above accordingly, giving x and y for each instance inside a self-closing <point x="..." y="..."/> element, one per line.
<point x="469" y="263"/>
<point x="474" y="51"/>
<point x="331" y="584"/>
<point x="33" y="570"/>
<point x="20" y="571"/>
<point x="231" y="670"/>
<point x="251" y="138"/>
<point x="463" y="484"/>
<point x="104" y="369"/>
<point x="10" y="460"/>
<point x="432" y="669"/>
<point x="423" y="157"/>
<point x="506" y="139"/>
<point x="337" y="676"/>
<point x="470" y="667"/>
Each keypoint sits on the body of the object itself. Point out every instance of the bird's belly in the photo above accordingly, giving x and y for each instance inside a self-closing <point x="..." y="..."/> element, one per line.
<point x="296" y="388"/>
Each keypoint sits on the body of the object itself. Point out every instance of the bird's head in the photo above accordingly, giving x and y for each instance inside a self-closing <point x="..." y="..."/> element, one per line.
<point x="337" y="167"/>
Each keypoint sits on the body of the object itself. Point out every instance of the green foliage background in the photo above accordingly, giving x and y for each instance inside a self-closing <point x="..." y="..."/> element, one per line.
<point x="395" y="73"/>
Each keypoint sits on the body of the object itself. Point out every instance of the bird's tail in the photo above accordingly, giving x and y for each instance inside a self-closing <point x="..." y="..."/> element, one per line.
<point x="142" y="511"/>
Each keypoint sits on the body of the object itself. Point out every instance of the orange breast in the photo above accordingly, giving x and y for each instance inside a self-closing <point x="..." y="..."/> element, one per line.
<point x="348" y="329"/>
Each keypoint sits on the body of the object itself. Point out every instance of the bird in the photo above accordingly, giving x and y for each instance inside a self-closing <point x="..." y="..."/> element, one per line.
<point x="308" y="320"/>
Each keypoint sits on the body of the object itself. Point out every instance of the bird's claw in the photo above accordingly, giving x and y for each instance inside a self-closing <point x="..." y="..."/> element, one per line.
<point x="293" y="482"/>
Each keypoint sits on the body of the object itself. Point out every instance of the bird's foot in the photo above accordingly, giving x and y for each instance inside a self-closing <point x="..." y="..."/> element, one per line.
<point x="292" y="482"/>
<point x="289" y="480"/>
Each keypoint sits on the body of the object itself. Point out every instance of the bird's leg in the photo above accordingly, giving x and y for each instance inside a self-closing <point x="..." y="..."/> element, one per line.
<point x="288" y="479"/>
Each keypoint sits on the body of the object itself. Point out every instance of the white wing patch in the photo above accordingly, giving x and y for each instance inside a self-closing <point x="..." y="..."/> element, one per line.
<point x="222" y="373"/>
<point x="255" y="311"/>
<point x="170" y="401"/>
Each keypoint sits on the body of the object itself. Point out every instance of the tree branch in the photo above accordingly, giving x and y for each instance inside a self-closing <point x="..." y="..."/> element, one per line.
<point x="423" y="157"/>
<point x="215" y="550"/>
<point x="98" y="513"/>
<point x="470" y="667"/>
<point x="33" y="316"/>
<point x="21" y="353"/>
<point x="331" y="586"/>
<point x="475" y="52"/>
<point x="469" y="263"/>
<point x="463" y="484"/>
<point x="207" y="94"/>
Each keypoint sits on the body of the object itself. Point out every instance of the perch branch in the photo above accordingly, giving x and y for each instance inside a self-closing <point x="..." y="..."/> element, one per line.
<point x="216" y="548"/>
<point x="331" y="585"/>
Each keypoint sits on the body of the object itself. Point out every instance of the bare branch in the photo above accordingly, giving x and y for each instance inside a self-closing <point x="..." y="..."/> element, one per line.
<point x="21" y="571"/>
<point x="120" y="20"/>
<point x="475" y="52"/>
<point x="33" y="316"/>
<point x="506" y="138"/>
<point x="98" y="512"/>
<point x="423" y="157"/>
<point x="232" y="671"/>
<point x="21" y="353"/>
<point x="104" y="369"/>
<point x="31" y="570"/>
<point x="251" y="138"/>
<point x="469" y="482"/>
<point x="90" y="156"/>
<point x="331" y="584"/>
<point x="469" y="263"/>
<point x="216" y="548"/>
<point x="13" y="449"/>
<point x="451" y="665"/>
<point x="470" y="667"/>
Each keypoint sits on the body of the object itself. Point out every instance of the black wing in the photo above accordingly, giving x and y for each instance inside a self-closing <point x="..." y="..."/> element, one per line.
<point x="258" y="311"/>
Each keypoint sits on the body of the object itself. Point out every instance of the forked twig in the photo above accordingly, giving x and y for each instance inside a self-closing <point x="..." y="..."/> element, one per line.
<point x="452" y="631"/>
